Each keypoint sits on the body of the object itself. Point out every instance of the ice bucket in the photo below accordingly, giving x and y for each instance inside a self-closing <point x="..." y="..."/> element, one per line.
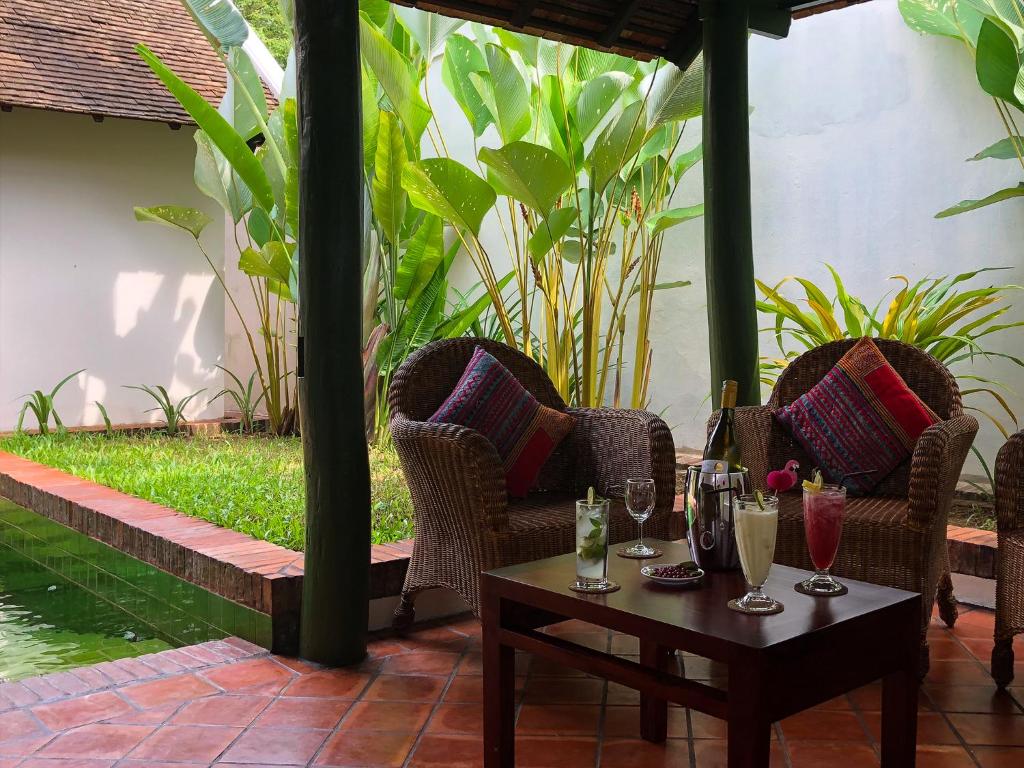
<point x="711" y="531"/>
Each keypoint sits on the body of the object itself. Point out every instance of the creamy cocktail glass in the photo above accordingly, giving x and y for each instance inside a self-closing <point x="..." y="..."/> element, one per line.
<point x="757" y="523"/>
<point x="824" y="509"/>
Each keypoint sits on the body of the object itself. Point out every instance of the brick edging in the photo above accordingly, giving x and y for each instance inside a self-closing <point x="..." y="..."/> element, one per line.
<point x="972" y="551"/>
<point x="111" y="674"/>
<point x="262" y="576"/>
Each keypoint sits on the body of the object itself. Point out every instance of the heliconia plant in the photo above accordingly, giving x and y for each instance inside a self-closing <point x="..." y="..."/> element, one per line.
<point x="992" y="32"/>
<point x="577" y="162"/>
<point x="940" y="315"/>
<point x="405" y="279"/>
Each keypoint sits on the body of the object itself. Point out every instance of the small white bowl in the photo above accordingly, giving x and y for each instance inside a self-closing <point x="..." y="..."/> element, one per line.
<point x="666" y="581"/>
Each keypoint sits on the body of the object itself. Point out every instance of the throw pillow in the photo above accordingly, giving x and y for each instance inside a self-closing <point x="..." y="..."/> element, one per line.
<point x="861" y="418"/>
<point x="489" y="399"/>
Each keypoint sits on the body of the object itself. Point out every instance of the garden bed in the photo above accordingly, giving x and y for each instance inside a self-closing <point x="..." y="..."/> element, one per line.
<point x="249" y="483"/>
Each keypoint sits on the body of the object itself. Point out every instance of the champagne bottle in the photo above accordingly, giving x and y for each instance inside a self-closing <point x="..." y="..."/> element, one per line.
<point x="722" y="453"/>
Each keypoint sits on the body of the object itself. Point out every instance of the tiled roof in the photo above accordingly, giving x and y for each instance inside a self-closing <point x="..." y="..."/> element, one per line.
<point x="78" y="56"/>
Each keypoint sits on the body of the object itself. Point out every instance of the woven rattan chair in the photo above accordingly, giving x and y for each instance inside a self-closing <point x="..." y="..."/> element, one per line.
<point x="896" y="536"/>
<point x="1010" y="568"/>
<point x="464" y="521"/>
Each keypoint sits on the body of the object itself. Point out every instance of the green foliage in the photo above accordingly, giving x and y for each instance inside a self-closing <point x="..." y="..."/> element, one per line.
<point x="993" y="32"/>
<point x="940" y="315"/>
<point x="270" y="24"/>
<point x="250" y="484"/>
<point x="245" y="398"/>
<point x="108" y="427"/>
<point x="585" y="163"/>
<point x="41" y="405"/>
<point x="258" y="187"/>
<point x="174" y="412"/>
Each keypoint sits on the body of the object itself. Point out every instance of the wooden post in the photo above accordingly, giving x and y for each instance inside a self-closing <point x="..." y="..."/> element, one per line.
<point x="335" y="590"/>
<point x="728" y="250"/>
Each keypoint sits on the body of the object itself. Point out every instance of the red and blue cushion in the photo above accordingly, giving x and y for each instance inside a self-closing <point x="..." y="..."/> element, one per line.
<point x="489" y="399"/>
<point x="860" y="422"/>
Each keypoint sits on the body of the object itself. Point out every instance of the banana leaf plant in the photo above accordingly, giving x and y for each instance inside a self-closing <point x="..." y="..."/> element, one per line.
<point x="992" y="32"/>
<point x="949" y="320"/>
<point x="247" y="161"/>
<point x="577" y="163"/>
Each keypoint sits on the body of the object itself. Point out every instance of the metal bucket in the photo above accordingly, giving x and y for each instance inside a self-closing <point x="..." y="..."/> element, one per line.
<point x="711" y="531"/>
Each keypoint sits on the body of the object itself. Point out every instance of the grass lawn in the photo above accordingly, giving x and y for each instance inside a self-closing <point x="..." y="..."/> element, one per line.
<point x="253" y="484"/>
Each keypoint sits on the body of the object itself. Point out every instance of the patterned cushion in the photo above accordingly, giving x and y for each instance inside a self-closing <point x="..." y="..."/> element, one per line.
<point x="489" y="399"/>
<point x="861" y="416"/>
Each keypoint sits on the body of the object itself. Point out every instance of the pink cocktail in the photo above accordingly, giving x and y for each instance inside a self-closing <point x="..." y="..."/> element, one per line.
<point x="823" y="523"/>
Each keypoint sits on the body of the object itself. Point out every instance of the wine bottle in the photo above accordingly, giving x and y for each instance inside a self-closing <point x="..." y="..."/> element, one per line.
<point x="722" y="453"/>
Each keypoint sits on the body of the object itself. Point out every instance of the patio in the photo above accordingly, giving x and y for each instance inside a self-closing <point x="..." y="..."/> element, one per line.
<point x="416" y="702"/>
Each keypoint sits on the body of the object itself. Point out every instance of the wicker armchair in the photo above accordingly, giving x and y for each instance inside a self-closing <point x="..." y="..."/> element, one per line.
<point x="896" y="537"/>
<point x="1010" y="567"/>
<point x="464" y="521"/>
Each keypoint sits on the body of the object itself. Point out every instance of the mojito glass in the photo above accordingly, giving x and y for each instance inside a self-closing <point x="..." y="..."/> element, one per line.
<point x="591" y="546"/>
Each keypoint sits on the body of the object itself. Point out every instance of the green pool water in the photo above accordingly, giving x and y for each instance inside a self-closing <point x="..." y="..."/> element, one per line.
<point x="67" y="601"/>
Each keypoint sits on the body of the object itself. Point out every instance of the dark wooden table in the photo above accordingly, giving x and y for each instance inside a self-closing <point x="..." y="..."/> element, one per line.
<point x="815" y="650"/>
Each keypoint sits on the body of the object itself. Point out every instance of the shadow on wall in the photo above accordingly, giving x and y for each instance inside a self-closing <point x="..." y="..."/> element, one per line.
<point x="148" y="314"/>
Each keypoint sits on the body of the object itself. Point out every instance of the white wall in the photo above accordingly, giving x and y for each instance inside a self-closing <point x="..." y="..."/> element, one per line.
<point x="83" y="285"/>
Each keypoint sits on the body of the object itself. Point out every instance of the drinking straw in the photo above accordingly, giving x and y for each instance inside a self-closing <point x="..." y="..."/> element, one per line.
<point x="848" y="475"/>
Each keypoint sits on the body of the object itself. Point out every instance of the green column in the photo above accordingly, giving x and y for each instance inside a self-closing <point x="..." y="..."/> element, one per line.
<point x="335" y="591"/>
<point x="728" y="252"/>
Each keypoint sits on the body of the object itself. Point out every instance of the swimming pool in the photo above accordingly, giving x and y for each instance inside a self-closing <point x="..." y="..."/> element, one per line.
<point x="67" y="601"/>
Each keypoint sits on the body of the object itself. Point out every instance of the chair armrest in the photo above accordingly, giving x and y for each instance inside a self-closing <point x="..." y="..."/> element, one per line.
<point x="935" y="468"/>
<point x="1010" y="485"/>
<point x="453" y="472"/>
<point x="754" y="427"/>
<point x="613" y="444"/>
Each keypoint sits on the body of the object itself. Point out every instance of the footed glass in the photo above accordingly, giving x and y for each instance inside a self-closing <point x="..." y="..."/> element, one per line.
<point x="823" y="523"/>
<point x="640" y="496"/>
<point x="756" y="530"/>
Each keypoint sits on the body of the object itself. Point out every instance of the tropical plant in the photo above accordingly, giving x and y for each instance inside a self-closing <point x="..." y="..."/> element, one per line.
<point x="992" y="31"/>
<point x="246" y="399"/>
<point x="174" y="412"/>
<point x="939" y="315"/>
<point x="258" y="190"/>
<point x="406" y="261"/>
<point x="580" y="183"/>
<point x="42" y="407"/>
<point x="108" y="427"/>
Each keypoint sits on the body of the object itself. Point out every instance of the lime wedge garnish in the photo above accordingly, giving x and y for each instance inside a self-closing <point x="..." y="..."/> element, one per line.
<point x="759" y="498"/>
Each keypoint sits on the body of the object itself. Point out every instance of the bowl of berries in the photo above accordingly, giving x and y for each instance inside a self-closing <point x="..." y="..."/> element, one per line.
<point x="685" y="574"/>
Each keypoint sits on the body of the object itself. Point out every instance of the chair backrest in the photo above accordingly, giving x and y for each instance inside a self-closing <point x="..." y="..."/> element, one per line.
<point x="1010" y="484"/>
<point x="927" y="377"/>
<point x="429" y="375"/>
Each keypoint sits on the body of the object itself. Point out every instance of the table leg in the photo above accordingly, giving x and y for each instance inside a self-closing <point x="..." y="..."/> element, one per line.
<point x="899" y="699"/>
<point x="499" y="662"/>
<point x="750" y="730"/>
<point x="654" y="711"/>
<point x="899" y="718"/>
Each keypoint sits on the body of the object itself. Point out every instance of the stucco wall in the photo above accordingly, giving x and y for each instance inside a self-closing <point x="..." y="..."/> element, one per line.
<point x="83" y="285"/>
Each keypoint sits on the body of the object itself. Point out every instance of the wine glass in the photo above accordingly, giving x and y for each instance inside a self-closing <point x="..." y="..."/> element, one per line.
<point x="824" y="510"/>
<point x="640" y="497"/>
<point x="757" y="524"/>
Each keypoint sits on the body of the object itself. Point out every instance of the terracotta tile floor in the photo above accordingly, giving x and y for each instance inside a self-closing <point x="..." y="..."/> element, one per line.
<point x="416" y="703"/>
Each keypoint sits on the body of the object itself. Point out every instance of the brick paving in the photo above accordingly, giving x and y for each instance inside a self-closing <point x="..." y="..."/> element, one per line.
<point x="415" y="703"/>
